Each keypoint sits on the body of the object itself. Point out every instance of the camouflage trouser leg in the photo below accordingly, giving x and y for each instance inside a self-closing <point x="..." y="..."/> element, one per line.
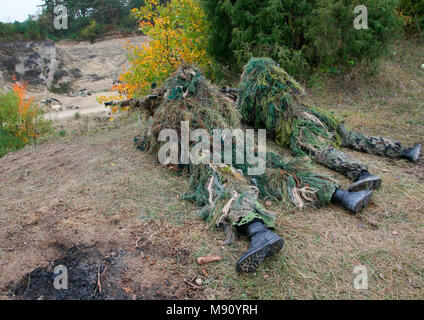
<point x="341" y="162"/>
<point x="243" y="210"/>
<point x="236" y="209"/>
<point x="373" y="145"/>
<point x="246" y="209"/>
<point x="325" y="193"/>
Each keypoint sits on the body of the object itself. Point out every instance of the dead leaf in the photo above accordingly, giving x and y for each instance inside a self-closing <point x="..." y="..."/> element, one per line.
<point x="208" y="259"/>
<point x="128" y="290"/>
<point x="205" y="273"/>
<point x="152" y="262"/>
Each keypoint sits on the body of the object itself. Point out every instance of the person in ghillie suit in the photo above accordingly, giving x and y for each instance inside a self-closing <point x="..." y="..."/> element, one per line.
<point x="227" y="195"/>
<point x="271" y="98"/>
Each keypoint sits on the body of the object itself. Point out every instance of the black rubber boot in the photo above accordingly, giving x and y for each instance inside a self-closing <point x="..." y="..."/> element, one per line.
<point x="365" y="181"/>
<point x="263" y="243"/>
<point x="355" y="202"/>
<point x="412" y="154"/>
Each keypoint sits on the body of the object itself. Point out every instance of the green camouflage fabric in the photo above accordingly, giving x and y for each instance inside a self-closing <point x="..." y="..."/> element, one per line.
<point x="228" y="195"/>
<point x="270" y="98"/>
<point x="350" y="167"/>
<point x="373" y="145"/>
<point x="346" y="165"/>
<point x="340" y="162"/>
<point x="233" y="200"/>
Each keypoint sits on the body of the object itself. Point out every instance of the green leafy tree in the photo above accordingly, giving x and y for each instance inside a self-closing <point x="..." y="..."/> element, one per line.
<point x="299" y="34"/>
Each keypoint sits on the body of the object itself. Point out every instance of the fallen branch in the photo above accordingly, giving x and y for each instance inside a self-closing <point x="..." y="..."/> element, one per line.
<point x="99" y="284"/>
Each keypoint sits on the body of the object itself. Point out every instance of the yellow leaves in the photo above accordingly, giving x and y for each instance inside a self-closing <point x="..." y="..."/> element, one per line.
<point x="176" y="35"/>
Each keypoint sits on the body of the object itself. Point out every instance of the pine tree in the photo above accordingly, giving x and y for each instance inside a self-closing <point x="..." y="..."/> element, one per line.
<point x="299" y="34"/>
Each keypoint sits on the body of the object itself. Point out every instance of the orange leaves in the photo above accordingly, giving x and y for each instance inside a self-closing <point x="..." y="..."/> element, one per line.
<point x="25" y="103"/>
<point x="20" y="118"/>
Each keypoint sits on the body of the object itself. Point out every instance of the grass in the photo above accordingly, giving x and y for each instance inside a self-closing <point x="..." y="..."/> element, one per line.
<point x="90" y="179"/>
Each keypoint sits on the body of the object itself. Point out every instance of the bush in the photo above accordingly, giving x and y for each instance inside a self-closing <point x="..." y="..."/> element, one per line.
<point x="412" y="12"/>
<point x="92" y="31"/>
<point x="27" y="30"/>
<point x="300" y="34"/>
<point x="176" y="33"/>
<point x="21" y="121"/>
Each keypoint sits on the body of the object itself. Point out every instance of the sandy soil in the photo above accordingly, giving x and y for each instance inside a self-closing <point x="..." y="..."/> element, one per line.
<point x="97" y="66"/>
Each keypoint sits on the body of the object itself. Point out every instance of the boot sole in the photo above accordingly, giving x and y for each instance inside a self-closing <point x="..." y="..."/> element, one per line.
<point x="361" y="205"/>
<point x="252" y="261"/>
<point x="365" y="184"/>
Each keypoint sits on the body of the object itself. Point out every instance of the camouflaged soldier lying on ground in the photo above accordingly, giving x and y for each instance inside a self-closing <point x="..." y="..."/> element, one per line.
<point x="233" y="203"/>
<point x="228" y="196"/>
<point x="269" y="97"/>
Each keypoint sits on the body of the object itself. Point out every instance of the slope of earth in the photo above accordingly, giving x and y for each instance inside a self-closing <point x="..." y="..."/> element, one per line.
<point x="91" y="68"/>
<point x="94" y="202"/>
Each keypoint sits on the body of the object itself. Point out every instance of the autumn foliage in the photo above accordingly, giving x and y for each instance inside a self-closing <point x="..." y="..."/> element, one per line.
<point x="21" y="121"/>
<point x="176" y="34"/>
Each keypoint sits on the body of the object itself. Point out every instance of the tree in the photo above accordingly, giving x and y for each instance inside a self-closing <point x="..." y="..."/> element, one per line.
<point x="299" y="34"/>
<point x="177" y="34"/>
<point x="412" y="11"/>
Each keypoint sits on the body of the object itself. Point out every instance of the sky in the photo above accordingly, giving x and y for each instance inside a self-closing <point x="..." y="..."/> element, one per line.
<point x="11" y="10"/>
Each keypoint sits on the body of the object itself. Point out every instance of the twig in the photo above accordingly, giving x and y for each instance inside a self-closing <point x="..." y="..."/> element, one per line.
<point x="192" y="285"/>
<point x="166" y="240"/>
<point x="99" y="284"/>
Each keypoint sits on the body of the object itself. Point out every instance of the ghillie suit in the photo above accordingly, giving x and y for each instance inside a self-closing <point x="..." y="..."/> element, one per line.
<point x="271" y="98"/>
<point x="190" y="97"/>
<point x="227" y="195"/>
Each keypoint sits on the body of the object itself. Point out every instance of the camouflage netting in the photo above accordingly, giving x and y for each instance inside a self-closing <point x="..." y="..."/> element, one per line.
<point x="271" y="98"/>
<point x="189" y="96"/>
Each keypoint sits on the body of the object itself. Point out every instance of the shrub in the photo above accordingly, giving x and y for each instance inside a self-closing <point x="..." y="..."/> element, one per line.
<point x="21" y="121"/>
<point x="92" y="31"/>
<point x="412" y="12"/>
<point x="176" y="33"/>
<point x="300" y="34"/>
<point x="30" y="29"/>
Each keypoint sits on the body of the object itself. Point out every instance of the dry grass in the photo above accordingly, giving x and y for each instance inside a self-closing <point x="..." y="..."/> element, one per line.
<point x="92" y="186"/>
